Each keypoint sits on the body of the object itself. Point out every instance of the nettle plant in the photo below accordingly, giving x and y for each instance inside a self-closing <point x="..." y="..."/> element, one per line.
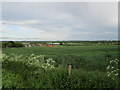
<point x="40" y="61"/>
<point x="112" y="68"/>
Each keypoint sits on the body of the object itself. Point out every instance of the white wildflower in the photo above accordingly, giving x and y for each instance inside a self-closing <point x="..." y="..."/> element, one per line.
<point x="116" y="74"/>
<point x="108" y="67"/>
<point x="112" y="67"/>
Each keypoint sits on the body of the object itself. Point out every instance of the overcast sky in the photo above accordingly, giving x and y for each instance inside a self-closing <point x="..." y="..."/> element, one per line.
<point x="59" y="21"/>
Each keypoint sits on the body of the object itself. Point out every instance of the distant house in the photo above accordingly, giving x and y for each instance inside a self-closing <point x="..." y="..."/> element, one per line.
<point x="40" y="45"/>
<point x="33" y="45"/>
<point x="52" y="44"/>
<point x="49" y="45"/>
<point x="72" y="44"/>
<point x="27" y="44"/>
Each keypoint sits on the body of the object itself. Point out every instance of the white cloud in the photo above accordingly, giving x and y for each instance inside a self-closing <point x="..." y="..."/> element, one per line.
<point x="21" y="22"/>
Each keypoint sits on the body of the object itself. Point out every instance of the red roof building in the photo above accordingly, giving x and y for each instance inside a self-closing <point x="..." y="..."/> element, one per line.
<point x="39" y="44"/>
<point x="49" y="45"/>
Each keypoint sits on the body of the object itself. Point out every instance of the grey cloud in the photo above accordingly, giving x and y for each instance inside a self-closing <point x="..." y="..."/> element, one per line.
<point x="68" y="18"/>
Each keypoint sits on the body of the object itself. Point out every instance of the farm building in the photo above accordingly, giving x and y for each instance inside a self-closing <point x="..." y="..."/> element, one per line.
<point x="49" y="45"/>
<point x="40" y="44"/>
<point x="72" y="44"/>
<point x="27" y="44"/>
<point x="53" y="43"/>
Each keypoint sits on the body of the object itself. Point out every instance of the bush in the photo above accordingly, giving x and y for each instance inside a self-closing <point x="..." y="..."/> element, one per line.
<point x="11" y="44"/>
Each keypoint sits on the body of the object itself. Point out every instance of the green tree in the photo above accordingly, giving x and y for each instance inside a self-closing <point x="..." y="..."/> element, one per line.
<point x="11" y="44"/>
<point x="61" y="43"/>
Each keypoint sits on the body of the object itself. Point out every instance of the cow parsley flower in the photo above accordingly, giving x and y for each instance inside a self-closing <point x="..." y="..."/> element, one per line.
<point x="112" y="68"/>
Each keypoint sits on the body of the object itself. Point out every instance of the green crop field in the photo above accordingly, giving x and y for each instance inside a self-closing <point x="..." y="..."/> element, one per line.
<point x="93" y="66"/>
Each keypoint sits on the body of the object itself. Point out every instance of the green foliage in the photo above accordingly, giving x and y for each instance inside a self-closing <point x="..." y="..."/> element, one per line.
<point x="48" y="67"/>
<point x="11" y="44"/>
<point x="61" y="43"/>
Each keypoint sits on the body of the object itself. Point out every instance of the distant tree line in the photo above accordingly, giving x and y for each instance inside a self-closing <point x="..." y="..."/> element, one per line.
<point x="11" y="44"/>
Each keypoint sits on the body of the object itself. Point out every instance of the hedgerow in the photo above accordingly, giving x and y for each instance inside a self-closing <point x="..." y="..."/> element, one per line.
<point x="37" y="71"/>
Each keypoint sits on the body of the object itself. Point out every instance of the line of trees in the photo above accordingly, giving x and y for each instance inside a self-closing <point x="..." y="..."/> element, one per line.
<point x="11" y="44"/>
